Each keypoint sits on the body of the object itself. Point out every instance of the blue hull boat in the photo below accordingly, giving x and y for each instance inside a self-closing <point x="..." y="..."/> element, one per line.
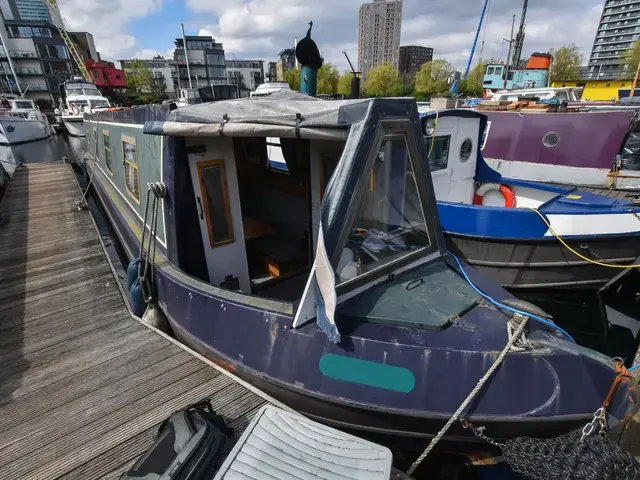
<point x="521" y="234"/>
<point x="328" y="283"/>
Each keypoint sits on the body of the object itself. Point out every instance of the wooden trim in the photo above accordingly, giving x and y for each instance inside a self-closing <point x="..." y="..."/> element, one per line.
<point x="130" y="141"/>
<point x="104" y="148"/>
<point x="225" y="193"/>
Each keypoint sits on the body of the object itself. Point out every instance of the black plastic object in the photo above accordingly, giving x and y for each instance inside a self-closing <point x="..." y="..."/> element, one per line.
<point x="191" y="445"/>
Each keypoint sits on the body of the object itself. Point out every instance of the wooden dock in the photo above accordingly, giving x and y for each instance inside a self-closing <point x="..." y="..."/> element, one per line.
<point x="83" y="385"/>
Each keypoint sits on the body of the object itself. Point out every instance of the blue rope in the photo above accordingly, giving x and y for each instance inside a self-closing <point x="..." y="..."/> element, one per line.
<point x="507" y="307"/>
<point x="635" y="367"/>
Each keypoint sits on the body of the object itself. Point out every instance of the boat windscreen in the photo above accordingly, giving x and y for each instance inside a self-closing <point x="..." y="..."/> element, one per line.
<point x="427" y="297"/>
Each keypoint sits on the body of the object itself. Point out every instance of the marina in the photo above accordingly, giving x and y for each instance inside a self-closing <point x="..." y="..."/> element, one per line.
<point x="214" y="270"/>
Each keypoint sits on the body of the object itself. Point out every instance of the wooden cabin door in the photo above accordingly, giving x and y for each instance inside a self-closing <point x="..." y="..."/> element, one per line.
<point x="215" y="186"/>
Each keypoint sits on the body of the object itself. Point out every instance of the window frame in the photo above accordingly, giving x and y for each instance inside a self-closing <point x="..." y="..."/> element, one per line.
<point x="425" y="254"/>
<point x="200" y="166"/>
<point x="268" y="160"/>
<point x="130" y="141"/>
<point x="109" y="164"/>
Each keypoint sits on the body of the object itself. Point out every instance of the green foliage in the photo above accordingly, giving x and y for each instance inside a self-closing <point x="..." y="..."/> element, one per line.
<point x="139" y="77"/>
<point x="344" y="84"/>
<point x="631" y="58"/>
<point x="408" y="81"/>
<point x="433" y="78"/>
<point x="383" y="81"/>
<point x="328" y="78"/>
<point x="566" y="61"/>
<point x="292" y="77"/>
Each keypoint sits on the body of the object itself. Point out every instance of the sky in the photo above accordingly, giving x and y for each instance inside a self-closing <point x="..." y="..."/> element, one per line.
<point x="259" y="29"/>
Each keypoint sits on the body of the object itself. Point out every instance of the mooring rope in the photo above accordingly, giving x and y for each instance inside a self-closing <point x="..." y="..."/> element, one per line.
<point x="463" y="406"/>
<point x="578" y="254"/>
<point x="82" y="202"/>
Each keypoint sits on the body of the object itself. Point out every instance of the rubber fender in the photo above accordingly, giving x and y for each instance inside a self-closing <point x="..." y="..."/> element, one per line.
<point x="526" y="307"/>
<point x="136" y="299"/>
<point x="132" y="272"/>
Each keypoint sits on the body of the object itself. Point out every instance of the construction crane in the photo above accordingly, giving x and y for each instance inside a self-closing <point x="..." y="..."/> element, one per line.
<point x="519" y="41"/>
<point x="56" y="18"/>
<point x="355" y="80"/>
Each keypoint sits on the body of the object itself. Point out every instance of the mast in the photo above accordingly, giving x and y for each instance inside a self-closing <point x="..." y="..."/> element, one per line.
<point x="511" y="41"/>
<point x="519" y="41"/>
<point x="475" y="40"/>
<point x="186" y="57"/>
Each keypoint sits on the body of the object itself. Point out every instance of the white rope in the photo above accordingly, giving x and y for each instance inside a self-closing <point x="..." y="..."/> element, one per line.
<point x="512" y="341"/>
<point x="82" y="202"/>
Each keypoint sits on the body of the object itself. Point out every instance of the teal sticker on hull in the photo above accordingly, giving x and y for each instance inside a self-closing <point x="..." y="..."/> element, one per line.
<point x="364" y="372"/>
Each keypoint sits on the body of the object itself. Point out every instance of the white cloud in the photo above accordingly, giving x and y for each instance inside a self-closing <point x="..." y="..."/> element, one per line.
<point x="107" y="21"/>
<point x="261" y="28"/>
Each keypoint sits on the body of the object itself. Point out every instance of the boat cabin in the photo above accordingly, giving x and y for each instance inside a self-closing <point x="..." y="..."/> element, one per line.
<point x="78" y="96"/>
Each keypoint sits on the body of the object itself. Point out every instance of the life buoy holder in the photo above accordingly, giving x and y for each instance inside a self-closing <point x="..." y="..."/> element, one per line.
<point x="507" y="193"/>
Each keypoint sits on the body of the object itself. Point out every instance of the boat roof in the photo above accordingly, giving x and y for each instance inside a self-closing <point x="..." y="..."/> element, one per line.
<point x="285" y="114"/>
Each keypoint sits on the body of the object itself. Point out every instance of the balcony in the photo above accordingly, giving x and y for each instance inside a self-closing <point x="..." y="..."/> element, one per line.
<point x="28" y="71"/>
<point x="34" y="88"/>
<point x="18" y="54"/>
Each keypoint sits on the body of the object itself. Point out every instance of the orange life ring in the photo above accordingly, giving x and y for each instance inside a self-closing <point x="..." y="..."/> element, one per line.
<point x="507" y="193"/>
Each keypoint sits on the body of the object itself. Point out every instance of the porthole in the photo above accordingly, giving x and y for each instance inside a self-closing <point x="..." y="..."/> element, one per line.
<point x="551" y="139"/>
<point x="465" y="150"/>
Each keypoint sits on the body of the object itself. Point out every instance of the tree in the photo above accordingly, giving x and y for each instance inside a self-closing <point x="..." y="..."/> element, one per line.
<point x="408" y="81"/>
<point x="631" y="58"/>
<point x="139" y="77"/>
<point x="158" y="57"/>
<point x="566" y="61"/>
<point x="383" y="81"/>
<point x="292" y="77"/>
<point x="433" y="78"/>
<point x="344" y="84"/>
<point x="328" y="77"/>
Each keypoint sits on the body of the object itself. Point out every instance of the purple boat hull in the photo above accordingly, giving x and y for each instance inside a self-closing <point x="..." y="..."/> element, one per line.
<point x="532" y="146"/>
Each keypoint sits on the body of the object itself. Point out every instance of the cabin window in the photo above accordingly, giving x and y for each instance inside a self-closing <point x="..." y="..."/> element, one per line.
<point x="106" y="141"/>
<point x="466" y="149"/>
<point x="490" y="70"/>
<point x="389" y="223"/>
<point x="275" y="157"/>
<point x="438" y="152"/>
<point x="131" y="167"/>
<point x="215" y="202"/>
<point x="551" y="139"/>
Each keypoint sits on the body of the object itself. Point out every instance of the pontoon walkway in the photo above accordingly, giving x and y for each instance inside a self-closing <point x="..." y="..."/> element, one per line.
<point x="83" y="385"/>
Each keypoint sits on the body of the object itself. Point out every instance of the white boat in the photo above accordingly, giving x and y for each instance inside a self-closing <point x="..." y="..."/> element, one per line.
<point x="23" y="122"/>
<point x="78" y="97"/>
<point x="269" y="88"/>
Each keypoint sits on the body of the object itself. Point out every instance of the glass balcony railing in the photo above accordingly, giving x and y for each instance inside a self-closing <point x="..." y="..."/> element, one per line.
<point x="28" y="71"/>
<point x="23" y="54"/>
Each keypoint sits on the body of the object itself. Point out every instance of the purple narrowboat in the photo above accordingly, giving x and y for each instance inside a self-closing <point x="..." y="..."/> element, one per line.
<point x="327" y="283"/>
<point x="571" y="148"/>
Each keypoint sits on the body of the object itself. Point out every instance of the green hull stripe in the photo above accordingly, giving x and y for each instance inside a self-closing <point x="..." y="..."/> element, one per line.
<point x="349" y="369"/>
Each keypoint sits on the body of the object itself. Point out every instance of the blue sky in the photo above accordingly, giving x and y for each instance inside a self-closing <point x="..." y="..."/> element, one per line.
<point x="259" y="29"/>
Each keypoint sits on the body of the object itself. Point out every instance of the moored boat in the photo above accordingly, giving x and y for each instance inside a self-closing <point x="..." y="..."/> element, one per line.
<point x="574" y="148"/>
<point x="513" y="230"/>
<point x="23" y="122"/>
<point x="328" y="284"/>
<point x="77" y="97"/>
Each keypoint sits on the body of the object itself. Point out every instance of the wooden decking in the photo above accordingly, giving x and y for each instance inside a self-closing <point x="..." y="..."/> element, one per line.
<point x="83" y="385"/>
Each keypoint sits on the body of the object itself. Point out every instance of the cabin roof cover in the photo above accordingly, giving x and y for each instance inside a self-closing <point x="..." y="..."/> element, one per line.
<point x="284" y="108"/>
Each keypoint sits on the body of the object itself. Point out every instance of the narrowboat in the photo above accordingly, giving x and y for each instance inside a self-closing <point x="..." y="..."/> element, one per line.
<point x="513" y="230"/>
<point x="328" y="283"/>
<point x="593" y="147"/>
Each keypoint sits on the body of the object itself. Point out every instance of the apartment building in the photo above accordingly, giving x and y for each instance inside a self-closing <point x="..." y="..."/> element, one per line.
<point x="379" y="29"/>
<point x="245" y="73"/>
<point x="412" y="57"/>
<point x="618" y="30"/>
<point x="207" y="63"/>
<point x="163" y="73"/>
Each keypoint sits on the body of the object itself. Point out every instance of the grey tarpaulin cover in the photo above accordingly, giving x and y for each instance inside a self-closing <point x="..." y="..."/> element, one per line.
<point x="256" y="114"/>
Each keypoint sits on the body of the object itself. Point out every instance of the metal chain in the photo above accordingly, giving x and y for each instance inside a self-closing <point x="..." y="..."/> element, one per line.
<point x="479" y="432"/>
<point x="590" y="427"/>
